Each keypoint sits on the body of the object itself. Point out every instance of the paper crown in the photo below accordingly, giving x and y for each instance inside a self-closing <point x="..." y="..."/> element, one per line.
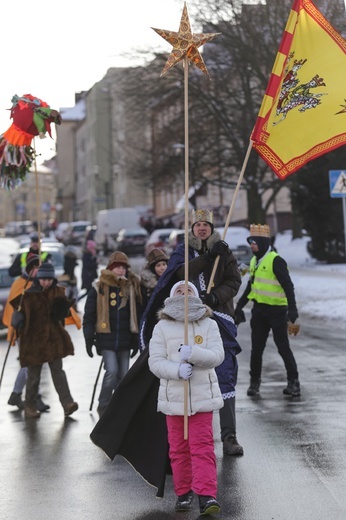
<point x="259" y="230"/>
<point x="202" y="215"/>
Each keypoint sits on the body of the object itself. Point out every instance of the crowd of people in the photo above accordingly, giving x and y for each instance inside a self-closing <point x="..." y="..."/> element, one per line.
<point x="182" y="322"/>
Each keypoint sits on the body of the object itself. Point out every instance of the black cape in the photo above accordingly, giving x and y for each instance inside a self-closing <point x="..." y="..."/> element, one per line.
<point x="131" y="426"/>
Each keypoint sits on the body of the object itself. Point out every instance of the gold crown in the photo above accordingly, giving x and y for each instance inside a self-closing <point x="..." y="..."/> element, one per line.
<point x="202" y="215"/>
<point x="259" y="230"/>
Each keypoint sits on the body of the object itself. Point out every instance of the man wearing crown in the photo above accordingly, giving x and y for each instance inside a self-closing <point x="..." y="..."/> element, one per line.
<point x="271" y="289"/>
<point x="205" y="245"/>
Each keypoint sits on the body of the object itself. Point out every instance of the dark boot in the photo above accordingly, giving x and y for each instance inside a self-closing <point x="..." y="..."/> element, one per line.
<point x="293" y="388"/>
<point x="70" y="408"/>
<point x="31" y="413"/>
<point x="231" y="446"/>
<point x="16" y="400"/>
<point x="184" y="502"/>
<point x="208" y="505"/>
<point x="40" y="405"/>
<point x="254" y="387"/>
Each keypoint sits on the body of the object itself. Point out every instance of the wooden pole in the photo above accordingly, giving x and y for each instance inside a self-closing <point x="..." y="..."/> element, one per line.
<point x="236" y="191"/>
<point x="186" y="227"/>
<point x="38" y="208"/>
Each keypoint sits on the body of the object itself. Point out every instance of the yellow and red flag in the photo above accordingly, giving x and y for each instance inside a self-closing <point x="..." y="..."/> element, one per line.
<point x="303" y="112"/>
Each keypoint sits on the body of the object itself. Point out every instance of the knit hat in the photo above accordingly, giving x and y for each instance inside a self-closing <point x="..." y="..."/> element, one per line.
<point x="202" y="215"/>
<point x="182" y="282"/>
<point x="34" y="237"/>
<point x="46" y="271"/>
<point x="116" y="259"/>
<point x="31" y="262"/>
<point x="155" y="256"/>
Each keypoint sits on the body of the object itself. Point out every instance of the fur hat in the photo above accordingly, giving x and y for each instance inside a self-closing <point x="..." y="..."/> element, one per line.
<point x="31" y="262"/>
<point x="118" y="258"/>
<point x="202" y="215"/>
<point x="155" y="256"/>
<point x="182" y="282"/>
<point x="46" y="271"/>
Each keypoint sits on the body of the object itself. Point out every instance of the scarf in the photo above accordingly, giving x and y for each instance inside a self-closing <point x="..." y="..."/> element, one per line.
<point x="175" y="309"/>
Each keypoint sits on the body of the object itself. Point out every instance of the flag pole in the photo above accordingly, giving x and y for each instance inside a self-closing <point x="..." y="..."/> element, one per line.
<point x="229" y="216"/>
<point x="186" y="228"/>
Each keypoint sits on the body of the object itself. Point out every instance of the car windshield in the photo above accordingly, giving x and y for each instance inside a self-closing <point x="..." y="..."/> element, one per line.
<point x="5" y="279"/>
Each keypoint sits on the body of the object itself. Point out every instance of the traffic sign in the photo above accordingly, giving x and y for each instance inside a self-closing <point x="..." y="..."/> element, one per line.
<point x="337" y="183"/>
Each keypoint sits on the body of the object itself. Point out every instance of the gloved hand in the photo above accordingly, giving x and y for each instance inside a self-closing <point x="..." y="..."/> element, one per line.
<point x="134" y="351"/>
<point x="185" y="371"/>
<point x="89" y="345"/>
<point x="220" y="248"/>
<point x="17" y="320"/>
<point x="292" y="313"/>
<point x="185" y="352"/>
<point x="210" y="299"/>
<point x="239" y="316"/>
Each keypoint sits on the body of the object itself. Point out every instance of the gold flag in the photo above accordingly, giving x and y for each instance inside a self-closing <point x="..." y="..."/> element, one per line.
<point x="303" y="112"/>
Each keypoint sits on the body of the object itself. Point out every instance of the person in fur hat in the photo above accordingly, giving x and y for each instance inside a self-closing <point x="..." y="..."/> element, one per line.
<point x="154" y="269"/>
<point x="205" y="245"/>
<point x="110" y="322"/>
<point x="20" y="285"/>
<point x="192" y="460"/>
<point x="43" y="338"/>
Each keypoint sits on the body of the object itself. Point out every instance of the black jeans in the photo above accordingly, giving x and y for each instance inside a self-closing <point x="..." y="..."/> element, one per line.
<point x="59" y="380"/>
<point x="263" y="319"/>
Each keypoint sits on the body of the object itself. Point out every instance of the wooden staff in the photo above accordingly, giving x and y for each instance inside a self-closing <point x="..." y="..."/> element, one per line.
<point x="236" y="191"/>
<point x="186" y="236"/>
<point x="38" y="208"/>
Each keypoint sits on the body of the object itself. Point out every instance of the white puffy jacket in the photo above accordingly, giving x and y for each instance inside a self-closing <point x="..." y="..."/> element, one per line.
<point x="164" y="360"/>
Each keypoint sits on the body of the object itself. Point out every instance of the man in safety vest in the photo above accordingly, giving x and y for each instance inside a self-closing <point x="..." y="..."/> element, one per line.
<point x="20" y="261"/>
<point x="274" y="308"/>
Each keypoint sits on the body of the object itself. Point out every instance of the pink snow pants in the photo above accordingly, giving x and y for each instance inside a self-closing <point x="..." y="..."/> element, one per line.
<point x="193" y="460"/>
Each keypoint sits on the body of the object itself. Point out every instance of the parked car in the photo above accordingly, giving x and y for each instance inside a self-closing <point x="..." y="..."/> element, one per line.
<point x="236" y="239"/>
<point x="158" y="238"/>
<point x="5" y="284"/>
<point x="61" y="230"/>
<point x="131" y="240"/>
<point x="56" y="252"/>
<point x="75" y="233"/>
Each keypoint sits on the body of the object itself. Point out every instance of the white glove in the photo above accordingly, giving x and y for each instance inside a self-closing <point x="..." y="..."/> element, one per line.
<point x="185" y="352"/>
<point x="185" y="371"/>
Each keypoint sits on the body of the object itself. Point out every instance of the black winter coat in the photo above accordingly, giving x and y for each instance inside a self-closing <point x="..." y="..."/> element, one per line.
<point x="120" y="337"/>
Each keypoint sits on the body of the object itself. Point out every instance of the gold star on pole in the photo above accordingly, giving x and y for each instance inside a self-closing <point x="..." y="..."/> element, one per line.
<point x="185" y="44"/>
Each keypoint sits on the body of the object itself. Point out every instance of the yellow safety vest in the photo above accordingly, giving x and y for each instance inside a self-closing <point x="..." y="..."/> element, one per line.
<point x="265" y="287"/>
<point x="23" y="258"/>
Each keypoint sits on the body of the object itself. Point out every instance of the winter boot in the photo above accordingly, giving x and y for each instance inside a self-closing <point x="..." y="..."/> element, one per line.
<point x="184" y="502"/>
<point x="31" y="413"/>
<point x="231" y="446"/>
<point x="16" y="400"/>
<point x="293" y="388"/>
<point x="208" y="505"/>
<point x="70" y="408"/>
<point x="254" y="387"/>
<point x="40" y="405"/>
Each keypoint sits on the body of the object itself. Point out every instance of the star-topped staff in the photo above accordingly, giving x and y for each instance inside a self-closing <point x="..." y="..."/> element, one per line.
<point x="185" y="44"/>
<point x="185" y="48"/>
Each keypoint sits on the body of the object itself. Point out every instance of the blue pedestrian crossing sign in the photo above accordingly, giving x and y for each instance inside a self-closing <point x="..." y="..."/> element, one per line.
<point x="337" y="183"/>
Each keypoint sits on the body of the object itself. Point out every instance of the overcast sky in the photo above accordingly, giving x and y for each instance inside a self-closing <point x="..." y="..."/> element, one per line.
<point x="54" y="49"/>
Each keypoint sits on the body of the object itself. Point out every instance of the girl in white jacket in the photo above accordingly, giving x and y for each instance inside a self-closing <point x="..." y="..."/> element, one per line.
<point x="192" y="460"/>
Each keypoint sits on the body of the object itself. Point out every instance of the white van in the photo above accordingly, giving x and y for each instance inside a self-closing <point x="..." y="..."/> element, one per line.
<point x="110" y="221"/>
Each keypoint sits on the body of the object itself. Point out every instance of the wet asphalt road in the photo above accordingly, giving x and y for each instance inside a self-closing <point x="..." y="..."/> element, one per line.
<point x="294" y="467"/>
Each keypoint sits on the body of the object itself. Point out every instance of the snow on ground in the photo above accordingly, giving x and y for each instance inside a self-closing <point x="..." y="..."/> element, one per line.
<point x="320" y="289"/>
